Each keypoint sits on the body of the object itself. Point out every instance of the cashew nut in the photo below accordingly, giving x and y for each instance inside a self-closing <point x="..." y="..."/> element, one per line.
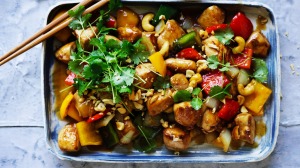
<point x="195" y="80"/>
<point x="146" y="22"/>
<point x="241" y="45"/>
<point x="164" y="49"/>
<point x="248" y="90"/>
<point x="241" y="99"/>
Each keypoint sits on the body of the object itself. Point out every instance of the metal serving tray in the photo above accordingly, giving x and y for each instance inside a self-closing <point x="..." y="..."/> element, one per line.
<point x="196" y="154"/>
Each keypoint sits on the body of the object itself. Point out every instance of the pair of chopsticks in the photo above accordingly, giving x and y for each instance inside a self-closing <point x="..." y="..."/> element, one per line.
<point x="48" y="31"/>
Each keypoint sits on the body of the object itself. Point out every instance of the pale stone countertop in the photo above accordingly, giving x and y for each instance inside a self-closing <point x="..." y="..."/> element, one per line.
<point x="22" y="139"/>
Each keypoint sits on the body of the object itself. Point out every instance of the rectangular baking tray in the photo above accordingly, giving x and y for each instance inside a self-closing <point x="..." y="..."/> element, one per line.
<point x="196" y="154"/>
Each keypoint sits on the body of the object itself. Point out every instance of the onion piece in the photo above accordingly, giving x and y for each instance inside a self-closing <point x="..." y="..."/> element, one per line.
<point x="233" y="72"/>
<point x="212" y="103"/>
<point x="243" y="77"/>
<point x="126" y="139"/>
<point x="104" y="121"/>
<point x="160" y="27"/>
<point x="225" y="137"/>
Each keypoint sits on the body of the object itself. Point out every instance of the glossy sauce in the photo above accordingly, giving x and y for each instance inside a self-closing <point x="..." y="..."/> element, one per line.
<point x="60" y="89"/>
<point x="261" y="23"/>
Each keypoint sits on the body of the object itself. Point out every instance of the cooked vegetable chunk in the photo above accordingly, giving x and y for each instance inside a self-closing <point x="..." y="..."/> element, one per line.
<point x="255" y="102"/>
<point x="88" y="135"/>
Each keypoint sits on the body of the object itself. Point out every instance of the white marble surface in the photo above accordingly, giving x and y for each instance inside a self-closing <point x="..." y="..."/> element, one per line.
<point x="22" y="140"/>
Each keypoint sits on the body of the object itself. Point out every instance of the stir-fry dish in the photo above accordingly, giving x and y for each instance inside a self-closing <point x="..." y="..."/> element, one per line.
<point x="170" y="78"/>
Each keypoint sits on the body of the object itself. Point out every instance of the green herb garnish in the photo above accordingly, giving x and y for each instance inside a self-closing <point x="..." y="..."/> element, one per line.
<point x="162" y="83"/>
<point x="214" y="63"/>
<point x="219" y="92"/>
<point x="224" y="35"/>
<point x="106" y="63"/>
<point x="184" y="95"/>
<point x="260" y="70"/>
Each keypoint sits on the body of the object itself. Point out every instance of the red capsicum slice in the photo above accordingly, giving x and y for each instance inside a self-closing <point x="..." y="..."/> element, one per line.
<point x="214" y="78"/>
<point x="111" y="22"/>
<point x="70" y="79"/>
<point x="229" y="110"/>
<point x="242" y="60"/>
<point x="98" y="116"/>
<point x="189" y="53"/>
<point x="215" y="27"/>
<point x="241" y="25"/>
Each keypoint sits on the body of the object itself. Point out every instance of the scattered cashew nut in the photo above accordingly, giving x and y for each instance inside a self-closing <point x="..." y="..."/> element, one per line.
<point x="146" y="22"/>
<point x="241" y="45"/>
<point x="248" y="90"/>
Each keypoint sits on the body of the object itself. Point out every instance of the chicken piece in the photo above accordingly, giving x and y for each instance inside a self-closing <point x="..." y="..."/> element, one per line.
<point x="160" y="102"/>
<point x="171" y="32"/>
<point x="212" y="46"/>
<point x="176" y="139"/>
<point x="180" y="65"/>
<point x="258" y="43"/>
<point x="84" y="107"/>
<point x="68" y="140"/>
<point x="85" y="36"/>
<point x="245" y="128"/>
<point x="212" y="15"/>
<point x="130" y="34"/>
<point x="145" y="74"/>
<point x="179" y="81"/>
<point x="210" y="121"/>
<point x="64" y="53"/>
<point x="185" y="114"/>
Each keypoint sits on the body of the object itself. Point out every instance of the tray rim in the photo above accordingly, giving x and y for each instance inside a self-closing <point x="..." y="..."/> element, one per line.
<point x="277" y="90"/>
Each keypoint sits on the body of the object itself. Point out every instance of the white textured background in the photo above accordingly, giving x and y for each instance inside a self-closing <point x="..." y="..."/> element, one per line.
<point x="22" y="140"/>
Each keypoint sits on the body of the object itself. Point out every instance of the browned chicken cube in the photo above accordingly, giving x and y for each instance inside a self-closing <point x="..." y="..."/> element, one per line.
<point x="68" y="139"/>
<point x="186" y="115"/>
<point x="258" y="43"/>
<point x="64" y="53"/>
<point x="245" y="128"/>
<point x="160" y="102"/>
<point x="176" y="139"/>
<point x="171" y="33"/>
<point x="146" y="75"/>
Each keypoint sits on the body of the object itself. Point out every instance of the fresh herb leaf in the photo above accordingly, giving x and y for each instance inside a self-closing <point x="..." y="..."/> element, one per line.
<point x="81" y="85"/>
<point x="214" y="63"/>
<point x="260" y="70"/>
<point x="196" y="92"/>
<point x="225" y="67"/>
<point x="219" y="92"/>
<point x="104" y="15"/>
<point x="224" y="35"/>
<point x="79" y="21"/>
<point x="196" y="103"/>
<point x="140" y="53"/>
<point x="76" y="13"/>
<point x="162" y="83"/>
<point x="182" y="95"/>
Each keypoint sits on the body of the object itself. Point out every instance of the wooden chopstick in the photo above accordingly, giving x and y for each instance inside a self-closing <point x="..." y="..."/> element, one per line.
<point x="55" y="26"/>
